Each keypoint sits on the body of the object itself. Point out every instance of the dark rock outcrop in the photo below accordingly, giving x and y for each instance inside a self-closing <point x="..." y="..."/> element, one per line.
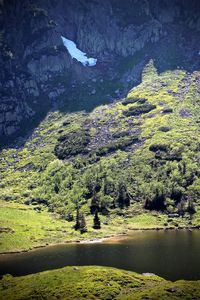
<point x="38" y="74"/>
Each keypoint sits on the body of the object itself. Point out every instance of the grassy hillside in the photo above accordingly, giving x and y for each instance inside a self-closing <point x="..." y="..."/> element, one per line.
<point x="24" y="227"/>
<point x="136" y="159"/>
<point x="95" y="283"/>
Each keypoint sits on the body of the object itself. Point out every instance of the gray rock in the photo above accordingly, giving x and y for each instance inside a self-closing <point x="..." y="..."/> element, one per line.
<point x="148" y="274"/>
<point x="11" y="129"/>
<point x="93" y="92"/>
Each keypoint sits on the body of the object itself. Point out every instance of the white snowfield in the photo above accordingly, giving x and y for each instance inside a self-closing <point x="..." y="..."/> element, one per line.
<point x="78" y="54"/>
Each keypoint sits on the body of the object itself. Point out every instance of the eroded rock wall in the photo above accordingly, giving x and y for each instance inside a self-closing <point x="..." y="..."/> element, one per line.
<point x="36" y="69"/>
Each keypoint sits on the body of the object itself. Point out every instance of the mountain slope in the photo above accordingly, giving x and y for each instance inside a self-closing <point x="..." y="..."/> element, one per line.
<point x="37" y="73"/>
<point x="137" y="155"/>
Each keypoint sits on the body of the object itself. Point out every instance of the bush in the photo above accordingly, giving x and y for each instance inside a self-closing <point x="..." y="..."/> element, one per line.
<point x="158" y="147"/>
<point x="68" y="217"/>
<point x="120" y="134"/>
<point x="131" y="100"/>
<point x="138" y="110"/>
<point x="72" y="143"/>
<point x="167" y="110"/>
<point x="119" y="144"/>
<point x="164" y="128"/>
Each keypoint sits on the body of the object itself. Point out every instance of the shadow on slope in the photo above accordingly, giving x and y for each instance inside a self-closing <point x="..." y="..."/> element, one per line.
<point x="177" y="49"/>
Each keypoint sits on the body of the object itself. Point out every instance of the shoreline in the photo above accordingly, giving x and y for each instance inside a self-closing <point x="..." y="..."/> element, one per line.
<point x="111" y="238"/>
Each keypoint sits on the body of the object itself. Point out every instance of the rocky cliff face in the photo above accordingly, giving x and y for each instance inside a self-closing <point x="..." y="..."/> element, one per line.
<point x="38" y="74"/>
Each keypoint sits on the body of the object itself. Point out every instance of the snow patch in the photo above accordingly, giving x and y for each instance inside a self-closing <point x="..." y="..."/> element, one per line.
<point x="78" y="54"/>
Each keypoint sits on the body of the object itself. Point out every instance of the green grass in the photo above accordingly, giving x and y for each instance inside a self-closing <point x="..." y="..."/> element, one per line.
<point x="95" y="283"/>
<point x="23" y="228"/>
<point x="29" y="228"/>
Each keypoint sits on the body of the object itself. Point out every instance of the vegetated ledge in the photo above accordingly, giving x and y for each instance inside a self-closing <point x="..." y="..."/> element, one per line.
<point x="107" y="238"/>
<point x="95" y="282"/>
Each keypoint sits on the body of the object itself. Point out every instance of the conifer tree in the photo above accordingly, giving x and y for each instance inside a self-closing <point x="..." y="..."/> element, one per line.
<point x="191" y="207"/>
<point x="97" y="222"/>
<point x="77" y="224"/>
<point x="83" y="227"/>
<point x="123" y="198"/>
<point x="94" y="203"/>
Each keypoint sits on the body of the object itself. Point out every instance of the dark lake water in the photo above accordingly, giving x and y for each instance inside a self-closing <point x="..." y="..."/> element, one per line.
<point x="171" y="254"/>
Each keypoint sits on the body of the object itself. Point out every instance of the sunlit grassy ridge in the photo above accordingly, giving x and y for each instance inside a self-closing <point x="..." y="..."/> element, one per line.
<point x="138" y="156"/>
<point x="95" y="283"/>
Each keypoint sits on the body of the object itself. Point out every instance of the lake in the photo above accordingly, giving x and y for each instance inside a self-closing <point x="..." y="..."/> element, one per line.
<point x="170" y="254"/>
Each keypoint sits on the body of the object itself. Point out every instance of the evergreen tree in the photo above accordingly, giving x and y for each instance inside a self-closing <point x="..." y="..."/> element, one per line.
<point x="97" y="222"/>
<point x="155" y="200"/>
<point x="77" y="224"/>
<point x="97" y="184"/>
<point x="94" y="203"/>
<point x="123" y="198"/>
<point x="181" y="207"/>
<point x="83" y="227"/>
<point x="56" y="188"/>
<point x="191" y="207"/>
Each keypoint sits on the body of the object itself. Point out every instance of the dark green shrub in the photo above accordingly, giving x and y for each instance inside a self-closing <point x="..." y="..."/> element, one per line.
<point x="164" y="128"/>
<point x="167" y="110"/>
<point x="119" y="144"/>
<point x="72" y="143"/>
<point x="158" y="147"/>
<point x="120" y="134"/>
<point x="191" y="207"/>
<point x="65" y="123"/>
<point x="127" y="101"/>
<point x="138" y="110"/>
<point x="68" y="217"/>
